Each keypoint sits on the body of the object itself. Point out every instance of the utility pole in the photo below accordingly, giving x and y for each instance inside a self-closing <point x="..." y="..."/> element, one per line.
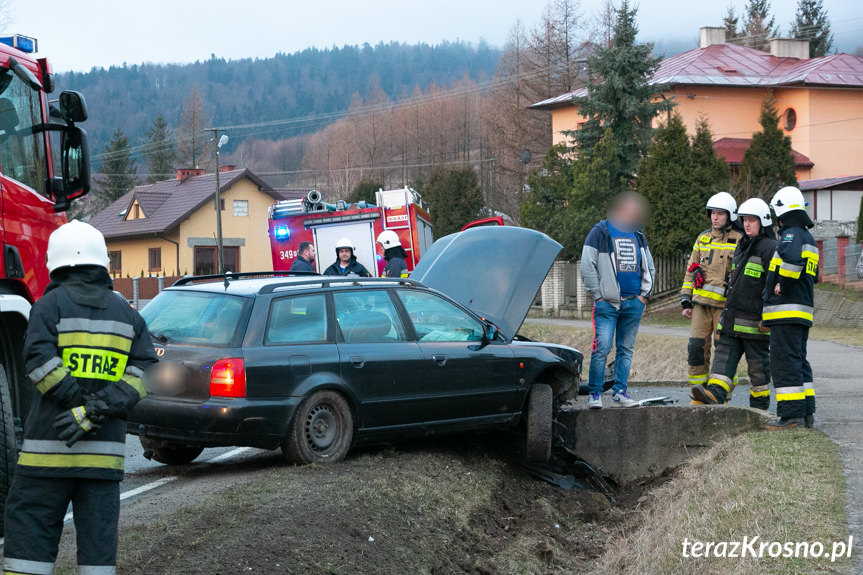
<point x="220" y="260"/>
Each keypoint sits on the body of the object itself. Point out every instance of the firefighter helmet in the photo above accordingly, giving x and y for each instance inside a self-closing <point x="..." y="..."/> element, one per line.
<point x="345" y="243"/>
<point x="756" y="207"/>
<point x="723" y="201"/>
<point x="389" y="239"/>
<point x="76" y="244"/>
<point x="786" y="200"/>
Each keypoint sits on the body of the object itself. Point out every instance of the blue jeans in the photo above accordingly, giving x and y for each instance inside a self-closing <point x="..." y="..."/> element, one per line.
<point x="608" y="321"/>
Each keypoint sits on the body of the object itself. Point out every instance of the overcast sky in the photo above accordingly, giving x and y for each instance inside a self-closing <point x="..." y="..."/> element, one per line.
<point x="85" y="33"/>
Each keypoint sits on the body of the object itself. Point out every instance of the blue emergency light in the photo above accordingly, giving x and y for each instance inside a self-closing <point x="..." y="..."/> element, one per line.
<point x="282" y="232"/>
<point x="23" y="43"/>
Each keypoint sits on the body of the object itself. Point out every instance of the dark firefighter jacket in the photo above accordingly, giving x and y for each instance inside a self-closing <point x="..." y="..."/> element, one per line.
<point x="794" y="266"/>
<point x="713" y="251"/>
<point x="354" y="267"/>
<point x="744" y="294"/>
<point x="82" y="339"/>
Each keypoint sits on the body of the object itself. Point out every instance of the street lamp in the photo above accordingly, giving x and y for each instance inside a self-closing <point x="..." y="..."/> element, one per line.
<point x="219" y="142"/>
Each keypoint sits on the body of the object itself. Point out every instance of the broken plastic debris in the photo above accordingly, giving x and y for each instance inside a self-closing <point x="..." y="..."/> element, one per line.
<point x="371" y="539"/>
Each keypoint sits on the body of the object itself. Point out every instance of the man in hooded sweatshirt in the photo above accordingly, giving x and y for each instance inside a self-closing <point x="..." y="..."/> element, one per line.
<point x="789" y="299"/>
<point x="346" y="263"/>
<point x="86" y="352"/>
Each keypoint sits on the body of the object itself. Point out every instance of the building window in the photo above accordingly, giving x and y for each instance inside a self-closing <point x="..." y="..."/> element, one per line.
<point x="241" y="208"/>
<point x="789" y="119"/>
<point x="115" y="262"/>
<point x="205" y="260"/>
<point x="155" y="258"/>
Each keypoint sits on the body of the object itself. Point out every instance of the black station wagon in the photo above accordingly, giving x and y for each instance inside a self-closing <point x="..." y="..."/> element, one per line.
<point x="316" y="365"/>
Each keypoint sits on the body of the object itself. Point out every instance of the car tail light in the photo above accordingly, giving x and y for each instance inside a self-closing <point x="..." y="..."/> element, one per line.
<point x="228" y="378"/>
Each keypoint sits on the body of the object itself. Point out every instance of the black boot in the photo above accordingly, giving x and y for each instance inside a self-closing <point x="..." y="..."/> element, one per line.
<point x="809" y="420"/>
<point x="710" y="394"/>
<point x="762" y="403"/>
<point x="785" y="423"/>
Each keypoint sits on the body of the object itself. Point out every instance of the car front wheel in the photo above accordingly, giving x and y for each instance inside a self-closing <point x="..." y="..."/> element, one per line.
<point x="322" y="430"/>
<point x="539" y="423"/>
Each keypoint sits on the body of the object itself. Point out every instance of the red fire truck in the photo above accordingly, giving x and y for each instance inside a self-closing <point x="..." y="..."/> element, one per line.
<point x="44" y="165"/>
<point x="311" y="220"/>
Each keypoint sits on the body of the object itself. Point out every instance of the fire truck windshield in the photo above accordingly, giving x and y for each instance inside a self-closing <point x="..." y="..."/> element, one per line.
<point x="22" y="151"/>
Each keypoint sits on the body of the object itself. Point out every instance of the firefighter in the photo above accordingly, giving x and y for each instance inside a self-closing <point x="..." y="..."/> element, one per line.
<point x="703" y="293"/>
<point x="394" y="254"/>
<point x="740" y="329"/>
<point x="346" y="263"/>
<point x="86" y="352"/>
<point x="788" y="307"/>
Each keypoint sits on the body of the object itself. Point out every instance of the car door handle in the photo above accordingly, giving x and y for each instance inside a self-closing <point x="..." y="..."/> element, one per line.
<point x="358" y="362"/>
<point x="439" y="359"/>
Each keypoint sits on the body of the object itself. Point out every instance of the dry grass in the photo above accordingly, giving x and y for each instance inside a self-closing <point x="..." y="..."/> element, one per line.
<point x="782" y="486"/>
<point x="657" y="358"/>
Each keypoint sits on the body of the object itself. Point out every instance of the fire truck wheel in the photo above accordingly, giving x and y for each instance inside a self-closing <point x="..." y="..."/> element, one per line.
<point x="539" y="423"/>
<point x="8" y="441"/>
<point x="322" y="430"/>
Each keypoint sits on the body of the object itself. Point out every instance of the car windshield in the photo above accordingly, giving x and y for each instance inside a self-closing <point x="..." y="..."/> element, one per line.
<point x="22" y="151"/>
<point x="190" y="317"/>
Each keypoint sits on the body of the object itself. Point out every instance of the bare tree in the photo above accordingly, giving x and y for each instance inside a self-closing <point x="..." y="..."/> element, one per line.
<point x="192" y="145"/>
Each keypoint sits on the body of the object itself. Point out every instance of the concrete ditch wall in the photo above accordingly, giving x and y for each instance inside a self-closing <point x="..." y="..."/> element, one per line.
<point x="638" y="443"/>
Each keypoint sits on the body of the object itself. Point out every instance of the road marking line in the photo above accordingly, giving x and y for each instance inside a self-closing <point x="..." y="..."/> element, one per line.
<point x="229" y="454"/>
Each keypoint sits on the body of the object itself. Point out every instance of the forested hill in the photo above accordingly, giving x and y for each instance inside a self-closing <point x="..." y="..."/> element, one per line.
<point x="313" y="81"/>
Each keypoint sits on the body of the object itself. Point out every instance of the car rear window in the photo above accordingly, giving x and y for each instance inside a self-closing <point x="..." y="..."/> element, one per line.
<point x="199" y="318"/>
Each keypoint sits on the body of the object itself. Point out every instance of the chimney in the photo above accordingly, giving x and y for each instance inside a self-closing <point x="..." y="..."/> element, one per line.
<point x="789" y="48"/>
<point x="227" y="168"/>
<point x="711" y="35"/>
<point x="185" y="173"/>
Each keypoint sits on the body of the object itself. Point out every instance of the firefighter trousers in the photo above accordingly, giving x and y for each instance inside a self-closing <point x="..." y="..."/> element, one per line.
<point x="702" y="334"/>
<point x="792" y="374"/>
<point x="726" y="356"/>
<point x="34" y="522"/>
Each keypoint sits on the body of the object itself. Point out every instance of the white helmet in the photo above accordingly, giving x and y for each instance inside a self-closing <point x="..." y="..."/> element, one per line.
<point x="76" y="244"/>
<point x="756" y="207"/>
<point x="389" y="239"/>
<point x="345" y="243"/>
<point x="723" y="201"/>
<point x="786" y="200"/>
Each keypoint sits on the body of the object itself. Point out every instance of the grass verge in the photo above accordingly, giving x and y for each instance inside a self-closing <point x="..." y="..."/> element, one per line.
<point x="780" y="486"/>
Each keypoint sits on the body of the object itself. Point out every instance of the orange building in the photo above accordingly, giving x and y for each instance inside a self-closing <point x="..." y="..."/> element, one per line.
<point x="820" y="101"/>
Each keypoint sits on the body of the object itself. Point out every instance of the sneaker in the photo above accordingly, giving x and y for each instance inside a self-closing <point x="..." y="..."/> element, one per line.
<point x="595" y="401"/>
<point x="620" y="399"/>
<point x="785" y="423"/>
<point x="809" y="420"/>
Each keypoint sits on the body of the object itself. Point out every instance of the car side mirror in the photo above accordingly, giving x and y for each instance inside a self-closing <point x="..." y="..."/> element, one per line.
<point x="73" y="107"/>
<point x="75" y="166"/>
<point x="490" y="332"/>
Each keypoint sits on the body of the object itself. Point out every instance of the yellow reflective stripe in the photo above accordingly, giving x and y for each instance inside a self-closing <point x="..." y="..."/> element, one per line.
<point x="687" y="285"/>
<point x="720" y="383"/>
<point x="775" y="262"/>
<point x="790" y="396"/>
<point x="792" y="314"/>
<point x="95" y="363"/>
<point x="708" y="294"/>
<point x="765" y="393"/>
<point x="135" y="383"/>
<point x="84" y="339"/>
<point x="52" y="379"/>
<point x="695" y="379"/>
<point x="809" y="392"/>
<point x="70" y="460"/>
<point x="788" y="273"/>
<point x="404" y="275"/>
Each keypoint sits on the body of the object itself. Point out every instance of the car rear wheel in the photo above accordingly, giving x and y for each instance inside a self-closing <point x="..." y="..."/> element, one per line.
<point x="539" y="423"/>
<point x="322" y="430"/>
<point x="170" y="454"/>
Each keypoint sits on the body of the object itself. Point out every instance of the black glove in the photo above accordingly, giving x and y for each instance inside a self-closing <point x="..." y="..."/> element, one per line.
<point x="74" y="424"/>
<point x="97" y="410"/>
<point x="67" y="394"/>
<point x="109" y="401"/>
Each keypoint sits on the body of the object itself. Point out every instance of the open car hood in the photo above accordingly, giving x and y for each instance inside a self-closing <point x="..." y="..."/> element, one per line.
<point x="494" y="271"/>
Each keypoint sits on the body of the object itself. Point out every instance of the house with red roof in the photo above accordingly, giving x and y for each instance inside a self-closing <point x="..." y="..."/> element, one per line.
<point x="820" y="101"/>
<point x="169" y="227"/>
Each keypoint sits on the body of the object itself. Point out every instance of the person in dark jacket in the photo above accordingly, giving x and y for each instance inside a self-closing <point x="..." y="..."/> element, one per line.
<point x="86" y="352"/>
<point x="740" y="329"/>
<point x="789" y="300"/>
<point x="394" y="254"/>
<point x="305" y="261"/>
<point x="618" y="272"/>
<point x="346" y="263"/>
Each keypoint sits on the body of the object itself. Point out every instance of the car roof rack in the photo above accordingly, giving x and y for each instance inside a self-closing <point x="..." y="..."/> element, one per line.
<point x="330" y="280"/>
<point x="230" y="276"/>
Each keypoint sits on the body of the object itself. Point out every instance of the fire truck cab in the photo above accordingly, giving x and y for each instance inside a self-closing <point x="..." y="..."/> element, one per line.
<point x="311" y="220"/>
<point x="44" y="165"/>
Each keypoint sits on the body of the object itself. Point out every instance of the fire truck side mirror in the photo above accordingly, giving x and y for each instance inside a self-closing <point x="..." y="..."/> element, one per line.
<point x="73" y="107"/>
<point x="75" y="165"/>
